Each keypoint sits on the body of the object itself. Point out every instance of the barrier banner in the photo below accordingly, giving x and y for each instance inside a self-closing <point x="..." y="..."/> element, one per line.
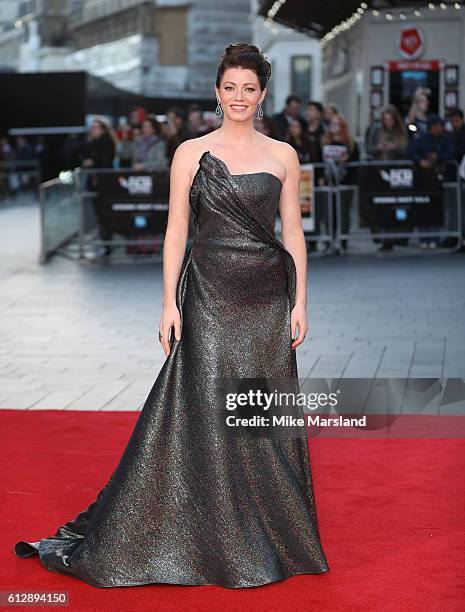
<point x="137" y="202"/>
<point x="307" y="197"/>
<point x="399" y="197"/>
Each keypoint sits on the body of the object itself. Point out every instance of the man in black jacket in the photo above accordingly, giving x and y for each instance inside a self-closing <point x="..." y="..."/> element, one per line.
<point x="291" y="112"/>
<point x="458" y="133"/>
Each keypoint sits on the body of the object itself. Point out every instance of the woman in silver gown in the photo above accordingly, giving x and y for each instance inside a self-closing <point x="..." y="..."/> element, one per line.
<point x="193" y="501"/>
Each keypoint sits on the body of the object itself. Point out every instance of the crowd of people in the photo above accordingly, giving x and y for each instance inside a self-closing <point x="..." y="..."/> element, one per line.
<point x="322" y="134"/>
<point x="318" y="133"/>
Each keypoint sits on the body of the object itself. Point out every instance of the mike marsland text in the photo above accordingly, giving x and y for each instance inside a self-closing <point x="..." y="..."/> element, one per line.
<point x="289" y="421"/>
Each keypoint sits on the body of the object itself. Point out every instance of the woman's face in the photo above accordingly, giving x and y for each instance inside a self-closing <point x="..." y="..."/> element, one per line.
<point x="423" y="102"/>
<point x="295" y="129"/>
<point x="147" y="129"/>
<point x="328" y="113"/>
<point x="96" y="129"/>
<point x="239" y="94"/>
<point x="335" y="126"/>
<point x="388" y="121"/>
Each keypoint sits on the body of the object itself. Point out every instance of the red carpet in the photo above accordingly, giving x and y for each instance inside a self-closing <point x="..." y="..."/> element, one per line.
<point x="391" y="515"/>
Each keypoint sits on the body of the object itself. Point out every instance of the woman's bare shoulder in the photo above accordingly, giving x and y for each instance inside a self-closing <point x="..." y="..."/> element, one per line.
<point x="189" y="152"/>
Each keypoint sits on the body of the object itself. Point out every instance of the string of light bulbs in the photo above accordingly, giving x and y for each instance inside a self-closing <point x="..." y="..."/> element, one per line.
<point x="348" y="23"/>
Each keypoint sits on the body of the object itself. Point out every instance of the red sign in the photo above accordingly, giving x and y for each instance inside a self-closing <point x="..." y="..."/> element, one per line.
<point x="433" y="65"/>
<point x="411" y="42"/>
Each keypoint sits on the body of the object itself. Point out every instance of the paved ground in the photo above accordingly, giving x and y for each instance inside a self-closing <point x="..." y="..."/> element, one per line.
<point x="85" y="337"/>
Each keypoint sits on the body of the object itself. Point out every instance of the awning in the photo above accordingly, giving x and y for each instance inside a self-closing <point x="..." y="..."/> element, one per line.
<point x="318" y="17"/>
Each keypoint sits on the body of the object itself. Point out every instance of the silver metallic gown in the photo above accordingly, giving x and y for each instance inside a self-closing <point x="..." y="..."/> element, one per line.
<point x="189" y="502"/>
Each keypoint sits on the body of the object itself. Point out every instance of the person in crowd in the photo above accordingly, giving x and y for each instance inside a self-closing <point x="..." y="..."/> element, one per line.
<point x="330" y="110"/>
<point x="298" y="140"/>
<point x="175" y="130"/>
<point x="340" y="147"/>
<point x="100" y="153"/>
<point x="137" y="115"/>
<point x="40" y="153"/>
<point x="315" y="129"/>
<point x="290" y="112"/>
<point x="315" y="133"/>
<point x="24" y="150"/>
<point x="372" y="127"/>
<point x="126" y="146"/>
<point x="264" y="125"/>
<point x="150" y="151"/>
<point x="417" y="116"/>
<point x="387" y="140"/>
<point x="72" y="151"/>
<point x="430" y="152"/>
<point x="24" y="156"/>
<point x="100" y="148"/>
<point x="457" y="133"/>
<point x="6" y="158"/>
<point x="136" y="133"/>
<point x="196" y="124"/>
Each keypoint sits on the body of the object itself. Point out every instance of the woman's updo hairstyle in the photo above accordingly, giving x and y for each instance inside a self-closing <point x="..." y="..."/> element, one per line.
<point x="243" y="55"/>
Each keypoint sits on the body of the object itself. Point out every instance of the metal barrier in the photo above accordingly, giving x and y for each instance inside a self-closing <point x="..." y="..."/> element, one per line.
<point x="72" y="221"/>
<point x="95" y="226"/>
<point x="59" y="216"/>
<point x="323" y="210"/>
<point x="348" y="216"/>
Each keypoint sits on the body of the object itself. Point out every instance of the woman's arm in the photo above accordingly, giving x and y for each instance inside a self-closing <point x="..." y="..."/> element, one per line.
<point x="294" y="240"/>
<point x="175" y="242"/>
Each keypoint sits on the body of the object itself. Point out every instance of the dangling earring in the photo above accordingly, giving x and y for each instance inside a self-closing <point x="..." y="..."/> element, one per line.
<point x="219" y="110"/>
<point x="260" y="111"/>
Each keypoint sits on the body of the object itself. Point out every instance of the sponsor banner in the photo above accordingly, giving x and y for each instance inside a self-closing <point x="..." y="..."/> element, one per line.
<point x="136" y="203"/>
<point x="400" y="197"/>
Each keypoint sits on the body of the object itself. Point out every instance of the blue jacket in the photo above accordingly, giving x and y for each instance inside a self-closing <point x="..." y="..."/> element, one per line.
<point x="425" y="144"/>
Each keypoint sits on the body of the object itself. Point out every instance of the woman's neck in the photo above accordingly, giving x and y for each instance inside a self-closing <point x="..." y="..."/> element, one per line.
<point x="241" y="133"/>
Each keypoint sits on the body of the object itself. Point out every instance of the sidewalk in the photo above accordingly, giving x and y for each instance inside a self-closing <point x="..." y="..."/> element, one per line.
<point x="86" y="337"/>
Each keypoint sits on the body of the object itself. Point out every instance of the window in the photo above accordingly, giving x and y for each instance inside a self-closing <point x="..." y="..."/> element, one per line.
<point x="301" y="77"/>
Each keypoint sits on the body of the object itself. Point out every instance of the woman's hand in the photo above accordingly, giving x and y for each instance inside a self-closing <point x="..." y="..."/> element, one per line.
<point x="298" y="319"/>
<point x="170" y="317"/>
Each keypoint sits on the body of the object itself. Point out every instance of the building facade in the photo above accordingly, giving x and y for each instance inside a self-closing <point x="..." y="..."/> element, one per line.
<point x="163" y="48"/>
<point x="389" y="54"/>
<point x="33" y="35"/>
<point x="159" y="48"/>
<point x="295" y="62"/>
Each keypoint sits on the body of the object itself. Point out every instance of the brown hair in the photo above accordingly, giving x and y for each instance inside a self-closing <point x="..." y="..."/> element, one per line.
<point x="244" y="55"/>
<point x="399" y="131"/>
<point x="106" y="127"/>
<point x="149" y="118"/>
<point x="346" y="136"/>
